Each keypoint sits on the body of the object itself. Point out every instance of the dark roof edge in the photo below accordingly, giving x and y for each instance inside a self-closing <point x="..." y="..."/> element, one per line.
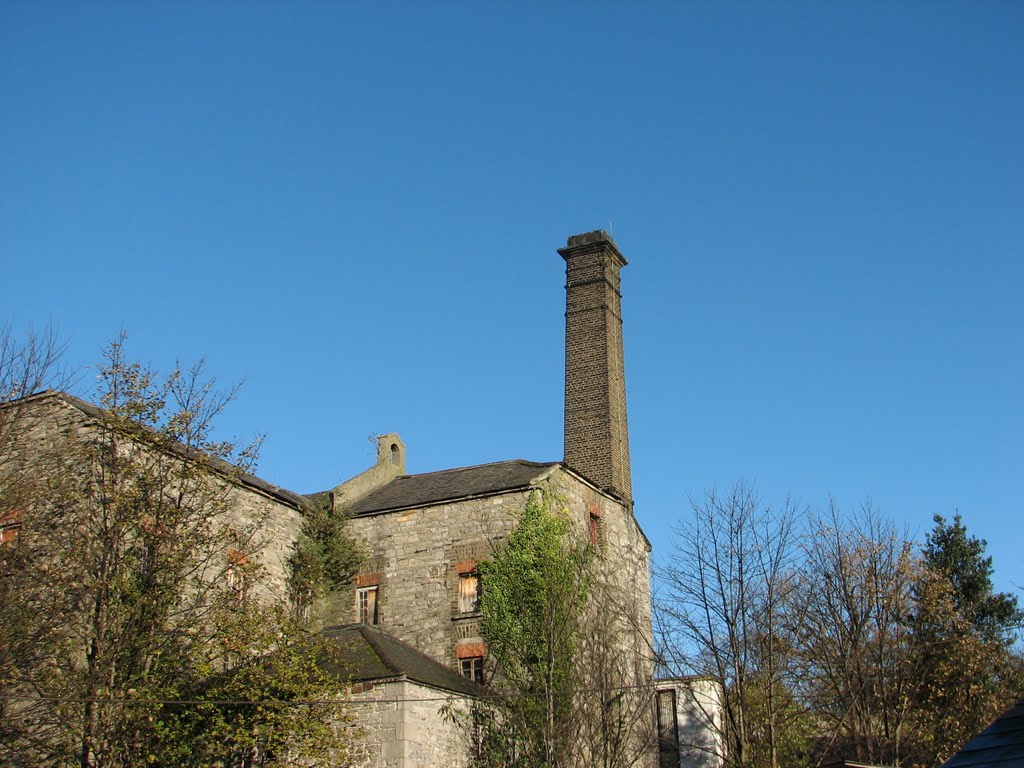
<point x="290" y="498"/>
<point x="372" y="635"/>
<point x="377" y="638"/>
<point x="548" y="465"/>
<point x="685" y="679"/>
<point x="449" y="500"/>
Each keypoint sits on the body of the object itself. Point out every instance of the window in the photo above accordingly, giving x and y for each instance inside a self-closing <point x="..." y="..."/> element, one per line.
<point x="469" y="592"/>
<point x="597" y="538"/>
<point x="10" y="524"/>
<point x="235" y="576"/>
<point x="668" y="730"/>
<point x="473" y="668"/>
<point x="366" y="605"/>
<point x="9" y="533"/>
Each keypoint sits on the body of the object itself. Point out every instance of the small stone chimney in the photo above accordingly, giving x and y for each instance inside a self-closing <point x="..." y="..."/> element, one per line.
<point x="390" y="464"/>
<point x="596" y="433"/>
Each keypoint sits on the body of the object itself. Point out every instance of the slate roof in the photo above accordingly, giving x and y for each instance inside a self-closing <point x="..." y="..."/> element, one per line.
<point x="435" y="487"/>
<point x="1000" y="745"/>
<point x="367" y="654"/>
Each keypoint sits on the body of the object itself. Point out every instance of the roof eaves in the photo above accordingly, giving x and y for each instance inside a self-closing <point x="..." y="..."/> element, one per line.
<point x="290" y="498"/>
<point x="378" y="641"/>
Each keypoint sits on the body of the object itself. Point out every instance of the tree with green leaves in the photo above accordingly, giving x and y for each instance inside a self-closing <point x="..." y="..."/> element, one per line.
<point x="534" y="597"/>
<point x="560" y="623"/>
<point x="324" y="560"/>
<point x="959" y="558"/>
<point x="964" y="634"/>
<point x="139" y="626"/>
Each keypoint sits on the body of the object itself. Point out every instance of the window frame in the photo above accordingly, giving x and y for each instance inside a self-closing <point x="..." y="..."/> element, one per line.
<point x="364" y="605"/>
<point x="667" y="723"/>
<point x="472" y="667"/>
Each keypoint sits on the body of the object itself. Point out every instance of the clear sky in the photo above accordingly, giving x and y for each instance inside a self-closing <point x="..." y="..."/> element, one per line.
<point x="355" y="208"/>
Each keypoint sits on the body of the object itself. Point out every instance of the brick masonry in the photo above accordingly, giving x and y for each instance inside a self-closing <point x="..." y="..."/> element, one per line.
<point x="596" y="429"/>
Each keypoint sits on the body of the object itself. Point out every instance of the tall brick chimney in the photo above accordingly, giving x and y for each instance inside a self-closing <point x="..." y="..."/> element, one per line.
<point x="596" y="433"/>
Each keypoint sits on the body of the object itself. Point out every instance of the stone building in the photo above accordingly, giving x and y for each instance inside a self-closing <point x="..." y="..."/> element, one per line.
<point x="426" y="532"/>
<point x="51" y="421"/>
<point x="410" y="623"/>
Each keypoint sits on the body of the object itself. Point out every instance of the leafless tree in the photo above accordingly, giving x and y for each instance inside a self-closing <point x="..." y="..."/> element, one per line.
<point x="860" y="675"/>
<point x="725" y="609"/>
<point x="29" y="363"/>
<point x="615" y="709"/>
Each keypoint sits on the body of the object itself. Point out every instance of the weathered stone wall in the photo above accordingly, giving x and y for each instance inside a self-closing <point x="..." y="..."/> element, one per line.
<point x="45" y="437"/>
<point x="624" y="552"/>
<point x="616" y="650"/>
<point x="402" y="724"/>
<point x="418" y="554"/>
<point x="414" y="559"/>
<point x="274" y="537"/>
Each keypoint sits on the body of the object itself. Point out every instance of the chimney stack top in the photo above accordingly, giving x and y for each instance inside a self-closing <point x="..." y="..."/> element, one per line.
<point x="589" y="238"/>
<point x="593" y="242"/>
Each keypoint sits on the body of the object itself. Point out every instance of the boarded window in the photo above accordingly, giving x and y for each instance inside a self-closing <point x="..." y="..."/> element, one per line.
<point x="9" y="533"/>
<point x="668" y="730"/>
<point x="10" y="524"/>
<point x="469" y="592"/>
<point x="366" y="605"/>
<point x="473" y="668"/>
<point x="236" y="576"/>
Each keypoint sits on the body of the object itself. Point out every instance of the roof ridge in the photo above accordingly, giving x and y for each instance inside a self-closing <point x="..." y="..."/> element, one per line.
<point x="525" y="462"/>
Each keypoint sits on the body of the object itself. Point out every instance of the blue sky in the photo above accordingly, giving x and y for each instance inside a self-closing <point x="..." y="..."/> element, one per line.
<point x="355" y="208"/>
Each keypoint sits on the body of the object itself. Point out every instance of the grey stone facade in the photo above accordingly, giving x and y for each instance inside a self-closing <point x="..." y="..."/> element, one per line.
<point x="424" y="534"/>
<point x="52" y="423"/>
<point x="399" y="725"/>
<point x="419" y="553"/>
